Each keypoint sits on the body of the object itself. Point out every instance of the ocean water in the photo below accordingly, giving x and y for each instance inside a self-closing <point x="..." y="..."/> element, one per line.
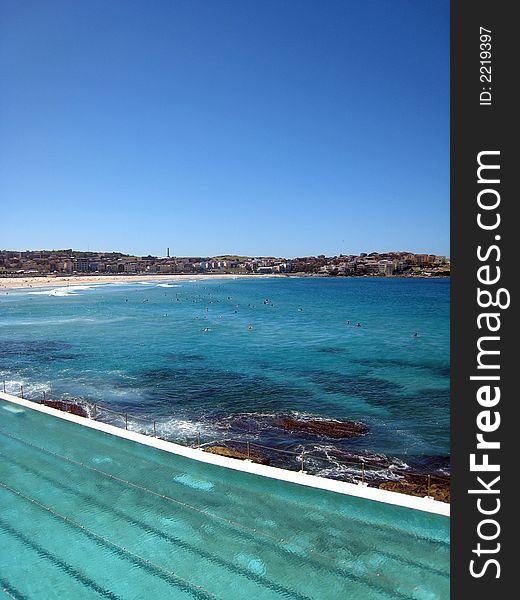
<point x="222" y="356"/>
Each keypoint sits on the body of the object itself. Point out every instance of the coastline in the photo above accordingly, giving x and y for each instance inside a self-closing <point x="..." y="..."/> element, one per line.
<point x="9" y="283"/>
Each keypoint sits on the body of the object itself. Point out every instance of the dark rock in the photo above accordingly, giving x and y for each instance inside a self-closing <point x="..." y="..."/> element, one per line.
<point x="328" y="428"/>
<point x="75" y="409"/>
<point x="241" y="454"/>
<point x="417" y="485"/>
<point x="331" y="428"/>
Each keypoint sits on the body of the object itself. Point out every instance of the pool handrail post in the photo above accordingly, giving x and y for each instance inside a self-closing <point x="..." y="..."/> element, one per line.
<point x="21" y="390"/>
<point x="4" y="386"/>
<point x="363" y="472"/>
<point x="198" y="439"/>
<point x="248" y="452"/>
<point x="95" y="412"/>
<point x="126" y="420"/>
<point x="303" y="459"/>
<point x="154" y="429"/>
<point x="428" y="489"/>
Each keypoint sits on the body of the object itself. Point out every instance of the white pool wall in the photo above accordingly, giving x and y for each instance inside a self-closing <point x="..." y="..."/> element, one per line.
<point x="341" y="487"/>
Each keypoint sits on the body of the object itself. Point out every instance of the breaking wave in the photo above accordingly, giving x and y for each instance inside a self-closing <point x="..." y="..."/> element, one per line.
<point x="64" y="291"/>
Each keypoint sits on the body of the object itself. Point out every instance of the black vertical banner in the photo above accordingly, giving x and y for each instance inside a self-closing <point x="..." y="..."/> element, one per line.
<point x="484" y="126"/>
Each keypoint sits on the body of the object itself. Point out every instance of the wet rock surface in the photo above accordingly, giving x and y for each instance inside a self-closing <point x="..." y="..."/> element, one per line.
<point x="241" y="453"/>
<point x="417" y="485"/>
<point x="74" y="409"/>
<point x="330" y="428"/>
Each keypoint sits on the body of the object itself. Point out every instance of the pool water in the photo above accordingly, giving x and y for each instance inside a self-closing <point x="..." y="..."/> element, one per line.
<point x="84" y="514"/>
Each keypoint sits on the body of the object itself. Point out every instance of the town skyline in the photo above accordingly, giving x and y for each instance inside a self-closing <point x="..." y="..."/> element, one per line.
<point x="69" y="261"/>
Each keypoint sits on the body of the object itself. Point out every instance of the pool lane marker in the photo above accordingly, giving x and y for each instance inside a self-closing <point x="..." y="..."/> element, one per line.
<point x="186" y="546"/>
<point x="10" y="590"/>
<point x="349" y="489"/>
<point x="56" y="560"/>
<point x="163" y="572"/>
<point x="253" y="532"/>
<point x="250" y="534"/>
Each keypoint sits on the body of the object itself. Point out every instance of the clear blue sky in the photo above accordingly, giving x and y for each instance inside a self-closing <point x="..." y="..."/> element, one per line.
<point x="258" y="127"/>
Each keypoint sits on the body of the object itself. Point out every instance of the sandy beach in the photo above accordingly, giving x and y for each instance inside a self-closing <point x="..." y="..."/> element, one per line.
<point x="7" y="283"/>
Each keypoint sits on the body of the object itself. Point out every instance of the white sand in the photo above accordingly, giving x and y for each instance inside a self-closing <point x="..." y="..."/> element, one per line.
<point x="51" y="280"/>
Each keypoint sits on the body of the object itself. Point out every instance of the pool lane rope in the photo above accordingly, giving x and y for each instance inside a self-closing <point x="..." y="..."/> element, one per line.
<point x="282" y="541"/>
<point x="251" y="530"/>
<point x="150" y="529"/>
<point x="133" y="555"/>
<point x="7" y="592"/>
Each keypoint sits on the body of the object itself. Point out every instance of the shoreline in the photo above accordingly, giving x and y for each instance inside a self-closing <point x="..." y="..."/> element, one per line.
<point x="11" y="283"/>
<point x="24" y="282"/>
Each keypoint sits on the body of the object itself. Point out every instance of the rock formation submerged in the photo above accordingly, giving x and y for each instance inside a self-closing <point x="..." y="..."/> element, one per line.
<point x="330" y="428"/>
<point x="323" y="427"/>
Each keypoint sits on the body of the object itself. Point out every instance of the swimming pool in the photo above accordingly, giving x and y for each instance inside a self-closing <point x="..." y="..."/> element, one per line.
<point x="84" y="514"/>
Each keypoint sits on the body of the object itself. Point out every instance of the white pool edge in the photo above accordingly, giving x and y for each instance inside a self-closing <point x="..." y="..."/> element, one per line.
<point x="331" y="485"/>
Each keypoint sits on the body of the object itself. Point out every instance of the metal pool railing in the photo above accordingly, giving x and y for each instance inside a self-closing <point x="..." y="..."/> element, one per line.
<point x="361" y="472"/>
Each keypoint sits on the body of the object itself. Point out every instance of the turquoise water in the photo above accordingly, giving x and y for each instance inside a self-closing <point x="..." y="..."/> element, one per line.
<point x="221" y="356"/>
<point x="86" y="515"/>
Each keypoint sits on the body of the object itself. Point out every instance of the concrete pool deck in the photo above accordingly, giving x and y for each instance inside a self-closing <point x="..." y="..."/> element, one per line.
<point x="349" y="489"/>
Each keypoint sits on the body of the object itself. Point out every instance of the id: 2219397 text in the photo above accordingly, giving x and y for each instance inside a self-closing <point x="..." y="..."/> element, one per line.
<point x="485" y="66"/>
